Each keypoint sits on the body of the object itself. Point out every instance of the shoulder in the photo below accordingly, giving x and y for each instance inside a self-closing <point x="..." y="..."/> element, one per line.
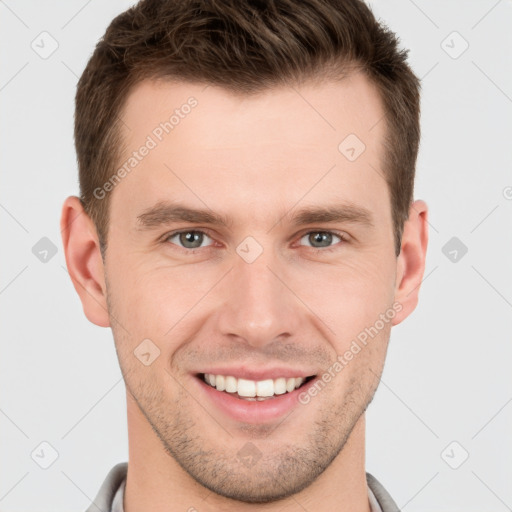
<point x="386" y="502"/>
<point x="110" y="485"/>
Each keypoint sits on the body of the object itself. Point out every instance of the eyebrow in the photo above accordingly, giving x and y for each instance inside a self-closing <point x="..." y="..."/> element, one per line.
<point x="334" y="213"/>
<point x="165" y="212"/>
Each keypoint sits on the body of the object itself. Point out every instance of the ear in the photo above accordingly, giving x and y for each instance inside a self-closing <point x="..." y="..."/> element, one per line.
<point x="83" y="260"/>
<point x="411" y="260"/>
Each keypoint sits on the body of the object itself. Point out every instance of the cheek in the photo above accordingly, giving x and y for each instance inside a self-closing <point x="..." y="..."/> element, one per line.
<point x="348" y="296"/>
<point x="157" y="301"/>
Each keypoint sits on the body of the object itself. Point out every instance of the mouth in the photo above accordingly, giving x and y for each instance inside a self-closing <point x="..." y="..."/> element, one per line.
<point x="254" y="390"/>
<point x="269" y="399"/>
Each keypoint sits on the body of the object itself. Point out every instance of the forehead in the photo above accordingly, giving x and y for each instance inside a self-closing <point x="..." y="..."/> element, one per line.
<point x="271" y="147"/>
<point x="326" y="112"/>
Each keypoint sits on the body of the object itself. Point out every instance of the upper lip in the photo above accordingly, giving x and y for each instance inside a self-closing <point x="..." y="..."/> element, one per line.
<point x="245" y="372"/>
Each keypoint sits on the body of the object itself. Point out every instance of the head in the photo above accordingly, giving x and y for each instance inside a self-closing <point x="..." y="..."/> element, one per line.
<point x="294" y="128"/>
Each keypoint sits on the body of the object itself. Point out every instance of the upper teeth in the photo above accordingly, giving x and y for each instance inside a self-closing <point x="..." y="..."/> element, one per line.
<point x="251" y="388"/>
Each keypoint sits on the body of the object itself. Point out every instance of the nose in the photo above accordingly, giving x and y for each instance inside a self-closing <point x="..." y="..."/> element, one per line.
<point x="259" y="308"/>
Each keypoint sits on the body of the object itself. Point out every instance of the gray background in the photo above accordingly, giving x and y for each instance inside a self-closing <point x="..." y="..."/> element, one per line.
<point x="446" y="390"/>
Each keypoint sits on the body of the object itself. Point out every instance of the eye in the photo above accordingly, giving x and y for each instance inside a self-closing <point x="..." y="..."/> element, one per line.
<point x="324" y="239"/>
<point x="320" y="241"/>
<point x="188" y="239"/>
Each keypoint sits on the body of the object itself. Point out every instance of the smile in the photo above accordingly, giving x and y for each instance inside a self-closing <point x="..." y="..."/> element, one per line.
<point x="254" y="390"/>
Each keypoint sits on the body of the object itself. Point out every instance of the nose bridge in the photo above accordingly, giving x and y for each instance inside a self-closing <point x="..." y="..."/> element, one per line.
<point x="258" y="307"/>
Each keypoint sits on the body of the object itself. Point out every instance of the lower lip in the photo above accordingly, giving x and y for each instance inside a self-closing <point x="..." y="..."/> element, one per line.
<point x="246" y="411"/>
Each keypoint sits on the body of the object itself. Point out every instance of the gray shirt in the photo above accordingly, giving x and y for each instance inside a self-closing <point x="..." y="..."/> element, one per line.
<point x="111" y="494"/>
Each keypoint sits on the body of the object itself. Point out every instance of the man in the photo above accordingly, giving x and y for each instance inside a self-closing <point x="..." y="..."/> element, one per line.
<point x="246" y="227"/>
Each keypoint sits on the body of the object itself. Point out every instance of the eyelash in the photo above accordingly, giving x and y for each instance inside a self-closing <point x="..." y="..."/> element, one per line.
<point x="340" y="235"/>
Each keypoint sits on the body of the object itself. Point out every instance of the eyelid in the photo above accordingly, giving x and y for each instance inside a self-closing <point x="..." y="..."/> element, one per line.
<point x="342" y="234"/>
<point x="344" y="237"/>
<point x="204" y="231"/>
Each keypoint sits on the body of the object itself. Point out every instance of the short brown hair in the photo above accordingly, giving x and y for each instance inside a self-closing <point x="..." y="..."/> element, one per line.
<point x="245" y="46"/>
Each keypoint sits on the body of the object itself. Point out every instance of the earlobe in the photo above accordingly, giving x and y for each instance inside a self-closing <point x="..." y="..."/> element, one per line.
<point x="83" y="260"/>
<point x="411" y="261"/>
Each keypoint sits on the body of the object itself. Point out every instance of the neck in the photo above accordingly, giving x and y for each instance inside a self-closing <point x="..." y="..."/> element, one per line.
<point x="155" y="480"/>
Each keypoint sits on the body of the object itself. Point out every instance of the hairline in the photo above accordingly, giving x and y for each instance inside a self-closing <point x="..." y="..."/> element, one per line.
<point x="329" y="72"/>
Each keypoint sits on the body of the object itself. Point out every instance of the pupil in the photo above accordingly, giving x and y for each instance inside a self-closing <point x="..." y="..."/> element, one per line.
<point x="191" y="237"/>
<point x="321" y="236"/>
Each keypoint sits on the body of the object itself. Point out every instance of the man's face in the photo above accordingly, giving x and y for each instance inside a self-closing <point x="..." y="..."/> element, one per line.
<point x="262" y="296"/>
